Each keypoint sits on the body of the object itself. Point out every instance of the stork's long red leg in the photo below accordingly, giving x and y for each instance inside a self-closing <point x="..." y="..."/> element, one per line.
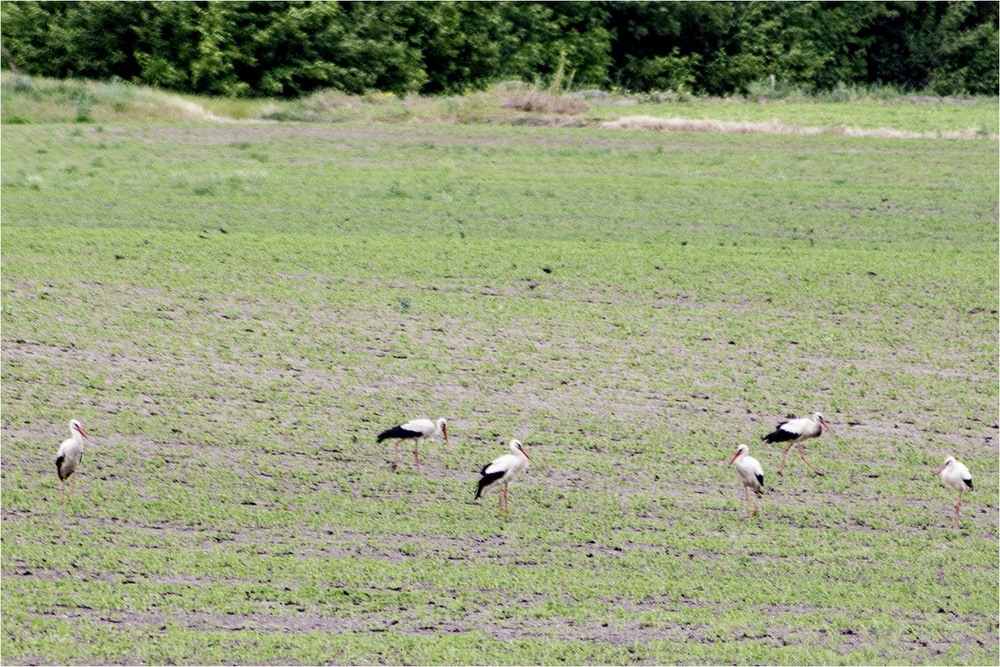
<point x="807" y="462"/>
<point x="395" y="459"/>
<point x="783" y="455"/>
<point x="416" y="457"/>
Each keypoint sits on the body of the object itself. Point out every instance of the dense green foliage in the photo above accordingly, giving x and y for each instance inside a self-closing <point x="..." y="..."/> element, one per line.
<point x="286" y="49"/>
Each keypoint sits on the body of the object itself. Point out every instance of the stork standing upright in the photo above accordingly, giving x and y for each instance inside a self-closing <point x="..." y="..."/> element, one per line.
<point x="794" y="432"/>
<point x="750" y="472"/>
<point x="69" y="458"/>
<point x="416" y="430"/>
<point x="958" y="477"/>
<point x="500" y="471"/>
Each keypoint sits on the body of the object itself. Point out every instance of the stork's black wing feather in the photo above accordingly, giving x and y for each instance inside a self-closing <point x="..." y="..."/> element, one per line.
<point x="488" y="478"/>
<point x="397" y="432"/>
<point x="59" y="468"/>
<point x="780" y="435"/>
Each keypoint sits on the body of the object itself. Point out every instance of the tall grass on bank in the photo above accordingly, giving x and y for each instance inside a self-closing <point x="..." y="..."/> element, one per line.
<point x="30" y="100"/>
<point x="850" y="110"/>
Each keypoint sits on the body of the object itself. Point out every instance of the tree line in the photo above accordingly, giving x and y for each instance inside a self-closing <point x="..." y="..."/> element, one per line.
<point x="287" y="49"/>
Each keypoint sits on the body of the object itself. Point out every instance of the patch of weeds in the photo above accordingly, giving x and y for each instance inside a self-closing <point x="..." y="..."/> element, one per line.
<point x="396" y="190"/>
<point x="22" y="84"/>
<point x="205" y="186"/>
<point x="248" y="179"/>
<point x="84" y="105"/>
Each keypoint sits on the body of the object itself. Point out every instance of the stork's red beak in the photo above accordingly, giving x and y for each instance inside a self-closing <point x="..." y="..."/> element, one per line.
<point x="525" y="453"/>
<point x="444" y="432"/>
<point x="81" y="432"/>
<point x="941" y="469"/>
<point x="826" y="425"/>
<point x="734" y="457"/>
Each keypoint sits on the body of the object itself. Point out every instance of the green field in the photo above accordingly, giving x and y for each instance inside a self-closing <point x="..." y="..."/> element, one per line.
<point x="235" y="311"/>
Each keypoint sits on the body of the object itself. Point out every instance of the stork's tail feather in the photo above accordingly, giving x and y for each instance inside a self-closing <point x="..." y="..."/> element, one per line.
<point x="59" y="467"/>
<point x="779" y="436"/>
<point x="397" y="432"/>
<point x="488" y="478"/>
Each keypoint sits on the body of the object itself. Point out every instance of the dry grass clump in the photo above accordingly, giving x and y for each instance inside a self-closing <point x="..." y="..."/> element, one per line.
<point x="772" y="127"/>
<point x="547" y="120"/>
<point x="330" y="99"/>
<point x="543" y="101"/>
<point x="189" y="110"/>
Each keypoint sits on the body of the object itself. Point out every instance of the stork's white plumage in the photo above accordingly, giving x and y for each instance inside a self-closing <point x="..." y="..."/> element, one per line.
<point x="69" y="457"/>
<point x="416" y="430"/>
<point x="501" y="471"/>
<point x="794" y="432"/>
<point x="751" y="474"/>
<point x="958" y="477"/>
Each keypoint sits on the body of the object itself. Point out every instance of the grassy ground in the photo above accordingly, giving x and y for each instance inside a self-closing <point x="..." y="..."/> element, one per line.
<point x="235" y="311"/>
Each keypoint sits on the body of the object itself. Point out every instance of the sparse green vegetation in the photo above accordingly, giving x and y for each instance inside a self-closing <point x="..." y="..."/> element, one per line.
<point x="235" y="310"/>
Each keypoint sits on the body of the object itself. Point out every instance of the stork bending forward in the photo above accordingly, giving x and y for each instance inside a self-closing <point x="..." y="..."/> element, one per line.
<point x="958" y="477"/>
<point x="416" y="430"/>
<point x="751" y="474"/>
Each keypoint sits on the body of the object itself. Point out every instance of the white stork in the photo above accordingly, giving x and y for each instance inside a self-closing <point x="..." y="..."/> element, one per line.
<point x="958" y="477"/>
<point x="501" y="470"/>
<point x="750" y="472"/>
<point x="69" y="457"/>
<point x="794" y="432"/>
<point x="416" y="430"/>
